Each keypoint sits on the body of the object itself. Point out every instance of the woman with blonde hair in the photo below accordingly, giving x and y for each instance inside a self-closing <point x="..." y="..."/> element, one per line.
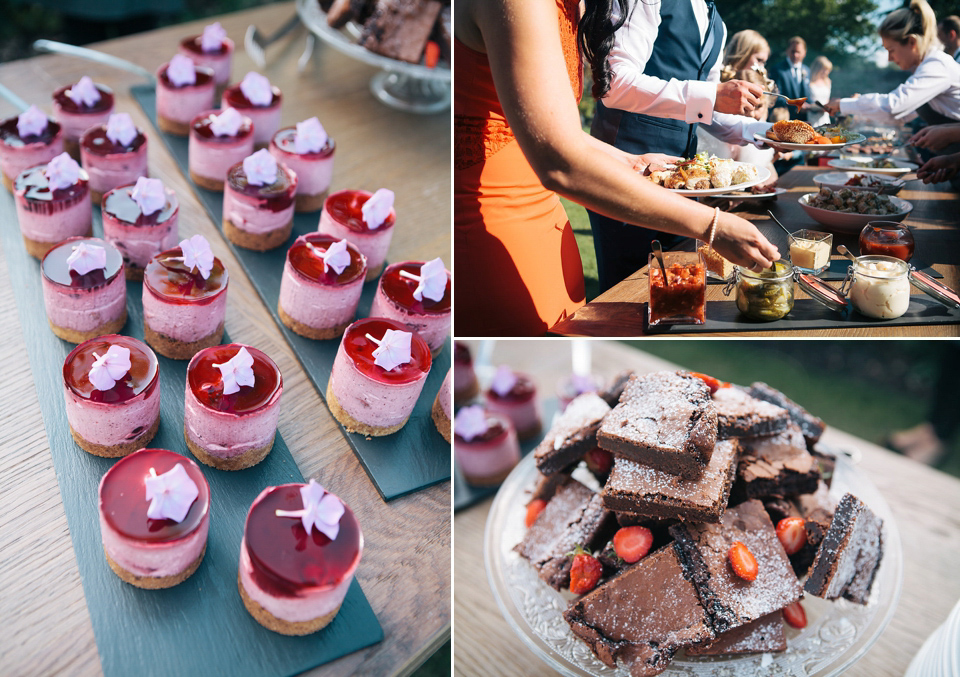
<point x="746" y="50"/>
<point x="820" y="86"/>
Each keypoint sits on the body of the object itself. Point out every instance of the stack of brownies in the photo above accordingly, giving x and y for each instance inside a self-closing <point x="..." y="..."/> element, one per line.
<point x="713" y="508"/>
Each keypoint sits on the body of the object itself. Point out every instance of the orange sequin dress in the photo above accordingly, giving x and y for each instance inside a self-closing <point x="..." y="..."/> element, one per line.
<point x="518" y="269"/>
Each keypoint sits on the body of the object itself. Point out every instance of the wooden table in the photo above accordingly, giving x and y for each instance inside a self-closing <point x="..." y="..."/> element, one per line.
<point x="405" y="571"/>
<point x="924" y="502"/>
<point x="617" y="312"/>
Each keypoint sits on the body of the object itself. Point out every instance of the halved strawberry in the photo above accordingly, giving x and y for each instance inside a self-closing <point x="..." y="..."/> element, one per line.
<point x="743" y="562"/>
<point x="795" y="616"/>
<point x="792" y="533"/>
<point x="584" y="573"/>
<point x="714" y="383"/>
<point x="599" y="461"/>
<point x="632" y="543"/>
<point x="534" y="508"/>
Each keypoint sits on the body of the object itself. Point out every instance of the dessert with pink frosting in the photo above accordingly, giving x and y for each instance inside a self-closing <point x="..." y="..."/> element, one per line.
<point x="442" y="407"/>
<point x="301" y="546"/>
<point x="308" y="151"/>
<point x="515" y="396"/>
<point x="363" y="218"/>
<point x="184" y="90"/>
<point x="321" y="286"/>
<point x="232" y="406"/>
<point x="184" y="299"/>
<point x="78" y="107"/>
<point x="28" y="140"/>
<point x="112" y="395"/>
<point x="258" y="202"/>
<point x="465" y="384"/>
<point x="218" y="141"/>
<point x="53" y="204"/>
<point x="84" y="289"/>
<point x="256" y="98"/>
<point x="154" y="518"/>
<point x="213" y="49"/>
<point x="141" y="221"/>
<point x="114" y="154"/>
<point x="416" y="294"/>
<point x="485" y="445"/>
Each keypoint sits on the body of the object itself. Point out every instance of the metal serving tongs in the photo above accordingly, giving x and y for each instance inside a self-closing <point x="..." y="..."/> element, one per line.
<point x="8" y="94"/>
<point x="256" y="43"/>
<point x="94" y="55"/>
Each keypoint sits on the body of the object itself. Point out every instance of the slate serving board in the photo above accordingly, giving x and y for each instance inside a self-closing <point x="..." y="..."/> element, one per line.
<point x="413" y="458"/>
<point x="199" y="626"/>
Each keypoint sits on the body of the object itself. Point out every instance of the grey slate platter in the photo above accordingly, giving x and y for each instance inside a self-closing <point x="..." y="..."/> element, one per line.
<point x="413" y="458"/>
<point x="199" y="626"/>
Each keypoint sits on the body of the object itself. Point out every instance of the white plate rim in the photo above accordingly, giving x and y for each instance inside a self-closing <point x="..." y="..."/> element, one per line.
<point x="904" y="166"/>
<point x="779" y="190"/>
<point x="815" y="147"/>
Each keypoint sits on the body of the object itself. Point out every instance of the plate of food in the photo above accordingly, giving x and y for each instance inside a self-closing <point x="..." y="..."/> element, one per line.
<point x="798" y="135"/>
<point x="890" y="166"/>
<point x="709" y="175"/>
<point x="875" y="183"/>
<point x="849" y="210"/>
<point x="757" y="193"/>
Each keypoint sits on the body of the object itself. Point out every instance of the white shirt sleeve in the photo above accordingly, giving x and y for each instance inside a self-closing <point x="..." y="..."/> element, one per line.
<point x="929" y="80"/>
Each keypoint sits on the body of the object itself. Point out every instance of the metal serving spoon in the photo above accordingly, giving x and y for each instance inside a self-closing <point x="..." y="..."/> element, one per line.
<point x="93" y="55"/>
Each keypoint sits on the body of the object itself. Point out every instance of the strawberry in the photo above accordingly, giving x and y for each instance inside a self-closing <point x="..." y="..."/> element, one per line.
<point x="632" y="543"/>
<point x="795" y="616"/>
<point x="432" y="54"/>
<point x="534" y="508"/>
<point x="743" y="562"/>
<point x="714" y="383"/>
<point x="584" y="573"/>
<point x="792" y="533"/>
<point x="599" y="461"/>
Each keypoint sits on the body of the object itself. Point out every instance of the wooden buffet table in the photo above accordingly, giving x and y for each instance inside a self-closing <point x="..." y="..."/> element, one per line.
<point x="405" y="571"/>
<point x="924" y="502"/>
<point x="936" y="226"/>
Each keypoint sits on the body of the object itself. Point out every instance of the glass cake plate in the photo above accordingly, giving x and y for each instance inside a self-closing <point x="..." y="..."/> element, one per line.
<point x="838" y="633"/>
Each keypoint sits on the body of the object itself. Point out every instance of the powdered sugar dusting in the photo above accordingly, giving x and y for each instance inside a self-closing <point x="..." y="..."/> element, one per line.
<point x="583" y="411"/>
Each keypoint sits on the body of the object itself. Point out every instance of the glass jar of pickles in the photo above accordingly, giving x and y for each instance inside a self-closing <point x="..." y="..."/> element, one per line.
<point x="766" y="295"/>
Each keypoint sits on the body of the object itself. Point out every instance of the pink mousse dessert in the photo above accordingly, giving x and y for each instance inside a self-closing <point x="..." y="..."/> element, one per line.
<point x="114" y="154"/>
<point x="183" y="92"/>
<point x="213" y="49"/>
<point x="377" y="376"/>
<point x="465" y="384"/>
<point x="52" y="203"/>
<point x="141" y="221"/>
<point x="84" y="289"/>
<point x="515" y="396"/>
<point x="301" y="546"/>
<point x="258" y="202"/>
<point x="365" y="219"/>
<point x="154" y="518"/>
<point x="79" y="107"/>
<point x="442" y="407"/>
<point x="485" y="446"/>
<point x="184" y="300"/>
<point x="112" y="394"/>
<point x="321" y="286"/>
<point x="260" y="101"/>
<point x="232" y="406"/>
<point x="308" y="151"/>
<point x="417" y="295"/>
<point x="218" y="141"/>
<point x="28" y="140"/>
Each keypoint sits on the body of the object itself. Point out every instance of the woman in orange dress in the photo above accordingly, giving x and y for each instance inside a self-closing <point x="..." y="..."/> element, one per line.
<point x="518" y="144"/>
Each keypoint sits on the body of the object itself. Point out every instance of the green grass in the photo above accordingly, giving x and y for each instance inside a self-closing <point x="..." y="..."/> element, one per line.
<point x="581" y="229"/>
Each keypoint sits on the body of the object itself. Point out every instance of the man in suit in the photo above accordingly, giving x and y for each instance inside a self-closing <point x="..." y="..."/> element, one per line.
<point x="793" y="77"/>
<point x="949" y="33"/>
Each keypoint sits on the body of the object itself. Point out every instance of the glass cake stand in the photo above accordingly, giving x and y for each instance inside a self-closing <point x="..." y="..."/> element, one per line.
<point x="409" y="87"/>
<point x="838" y="633"/>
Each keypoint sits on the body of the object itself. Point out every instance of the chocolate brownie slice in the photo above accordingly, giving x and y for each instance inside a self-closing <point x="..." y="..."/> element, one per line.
<point x="573" y="434"/>
<point x="614" y="390"/>
<point x="740" y="415"/>
<point x="732" y="601"/>
<point x="764" y="635"/>
<point x="545" y="486"/>
<point x="777" y="465"/>
<point x="574" y="516"/>
<point x="399" y="28"/>
<point x="850" y="554"/>
<point x="641" y="490"/>
<point x="665" y="420"/>
<point x="811" y="426"/>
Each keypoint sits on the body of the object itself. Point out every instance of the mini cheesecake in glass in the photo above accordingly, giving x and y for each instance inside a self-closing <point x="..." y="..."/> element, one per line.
<point x="260" y="101"/>
<point x="84" y="289"/>
<point x="363" y="218"/>
<point x="443" y="406"/>
<point x="213" y="49"/>
<point x="416" y="294"/>
<point x="27" y="140"/>
<point x="377" y="376"/>
<point x="140" y="221"/>
<point x="465" y="384"/>
<point x="515" y="396"/>
<point x="308" y="151"/>
<point x="218" y="141"/>
<point x="78" y="107"/>
<point x="232" y="406"/>
<point x="112" y="395"/>
<point x="184" y="300"/>
<point x="52" y="203"/>
<point x="321" y="286"/>
<point x="258" y="202"/>
<point x="183" y="92"/>
<point x="114" y="154"/>
<point x="485" y="445"/>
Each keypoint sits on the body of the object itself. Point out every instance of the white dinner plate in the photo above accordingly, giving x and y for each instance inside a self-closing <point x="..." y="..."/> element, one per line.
<point x="852" y="139"/>
<point x="848" y="164"/>
<point x="763" y="175"/>
<point x="747" y="195"/>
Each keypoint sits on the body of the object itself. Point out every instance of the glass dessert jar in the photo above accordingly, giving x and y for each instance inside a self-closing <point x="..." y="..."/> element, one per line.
<point x="887" y="238"/>
<point x="879" y="286"/>
<point x="681" y="297"/>
<point x="766" y="295"/>
<point x="810" y="250"/>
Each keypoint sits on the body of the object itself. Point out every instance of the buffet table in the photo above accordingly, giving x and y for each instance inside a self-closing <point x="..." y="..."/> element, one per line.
<point x="925" y="504"/>
<point x="48" y="625"/>
<point x="620" y="310"/>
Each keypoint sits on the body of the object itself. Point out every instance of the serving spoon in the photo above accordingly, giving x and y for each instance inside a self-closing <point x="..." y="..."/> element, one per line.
<point x="777" y="221"/>
<point x="796" y="103"/>
<point x="846" y="252"/>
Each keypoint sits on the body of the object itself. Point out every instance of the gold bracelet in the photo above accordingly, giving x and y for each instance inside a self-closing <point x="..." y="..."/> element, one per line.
<point x="713" y="227"/>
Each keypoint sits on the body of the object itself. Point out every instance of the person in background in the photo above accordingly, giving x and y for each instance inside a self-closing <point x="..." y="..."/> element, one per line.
<point x="820" y="87"/>
<point x="949" y="34"/>
<point x="793" y="77"/>
<point x="745" y="50"/>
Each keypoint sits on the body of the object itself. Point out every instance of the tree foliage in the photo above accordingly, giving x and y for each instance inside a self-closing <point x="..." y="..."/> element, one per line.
<point x="943" y="8"/>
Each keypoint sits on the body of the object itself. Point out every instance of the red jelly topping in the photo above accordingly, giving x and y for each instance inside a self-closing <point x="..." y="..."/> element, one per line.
<point x="10" y="135"/>
<point x="360" y="349"/>
<point x="204" y="77"/>
<point x="234" y="97"/>
<point x="142" y="376"/>
<point x="33" y="182"/>
<point x="399" y="289"/>
<point x="309" y="264"/>
<point x="167" y="276"/>
<point x="461" y="353"/>
<point x="495" y="430"/>
<point x="194" y="44"/>
<point x="120" y="204"/>
<point x="285" y="140"/>
<point x="55" y="268"/>
<point x="345" y="208"/>
<point x="66" y="103"/>
<point x="123" y="497"/>
<point x="286" y="559"/>
<point x="523" y="390"/>
<point x="201" y="127"/>
<point x="96" y="141"/>
<point x="206" y="381"/>
<point x="276" y="196"/>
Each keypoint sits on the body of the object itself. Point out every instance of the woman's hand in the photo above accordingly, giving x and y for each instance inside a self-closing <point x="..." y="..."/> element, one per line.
<point x="652" y="161"/>
<point x="936" y="137"/>
<point x="940" y="168"/>
<point x="739" y="241"/>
